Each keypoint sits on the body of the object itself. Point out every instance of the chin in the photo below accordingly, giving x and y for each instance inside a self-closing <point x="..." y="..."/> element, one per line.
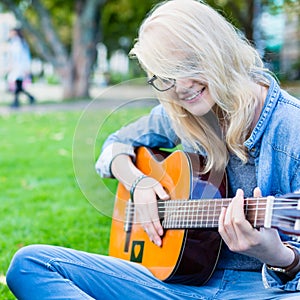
<point x="198" y="111"/>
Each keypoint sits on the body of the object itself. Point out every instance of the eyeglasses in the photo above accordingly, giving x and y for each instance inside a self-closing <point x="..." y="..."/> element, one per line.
<point x="161" y="84"/>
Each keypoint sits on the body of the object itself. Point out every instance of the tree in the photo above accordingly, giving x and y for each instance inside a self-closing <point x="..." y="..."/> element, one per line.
<point x="243" y="13"/>
<point x="72" y="59"/>
<point x="65" y="33"/>
<point x="121" y="20"/>
<point x="240" y="13"/>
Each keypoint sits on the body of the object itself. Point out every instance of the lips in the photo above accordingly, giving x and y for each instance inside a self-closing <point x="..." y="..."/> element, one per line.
<point x="194" y="96"/>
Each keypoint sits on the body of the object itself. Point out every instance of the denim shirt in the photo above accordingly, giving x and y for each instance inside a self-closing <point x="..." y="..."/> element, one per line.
<point x="273" y="144"/>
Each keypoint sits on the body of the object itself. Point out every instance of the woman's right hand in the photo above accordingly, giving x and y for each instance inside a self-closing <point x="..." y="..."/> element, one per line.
<point x="145" y="197"/>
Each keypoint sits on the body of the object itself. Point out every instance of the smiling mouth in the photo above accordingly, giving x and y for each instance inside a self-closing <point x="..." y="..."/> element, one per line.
<point x="195" y="95"/>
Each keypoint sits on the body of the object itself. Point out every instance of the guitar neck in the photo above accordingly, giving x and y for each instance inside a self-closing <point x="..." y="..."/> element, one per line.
<point x="188" y="214"/>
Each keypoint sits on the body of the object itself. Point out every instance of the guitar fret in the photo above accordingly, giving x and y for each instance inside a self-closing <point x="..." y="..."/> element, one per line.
<point x="198" y="209"/>
<point x="246" y="207"/>
<point x="214" y="211"/>
<point x="255" y="219"/>
<point x="207" y="214"/>
<point x="183" y="215"/>
<point x="176" y="216"/>
<point x="186" y="210"/>
<point x="193" y="220"/>
<point x="165" y="222"/>
<point x="202" y="214"/>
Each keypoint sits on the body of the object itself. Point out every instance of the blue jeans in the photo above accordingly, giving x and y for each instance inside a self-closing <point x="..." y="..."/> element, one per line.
<point x="51" y="272"/>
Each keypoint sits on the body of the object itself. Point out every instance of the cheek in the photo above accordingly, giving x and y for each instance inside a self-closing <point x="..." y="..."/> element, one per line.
<point x="168" y="96"/>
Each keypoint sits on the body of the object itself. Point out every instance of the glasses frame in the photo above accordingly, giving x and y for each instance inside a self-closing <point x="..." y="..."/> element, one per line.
<point x="154" y="77"/>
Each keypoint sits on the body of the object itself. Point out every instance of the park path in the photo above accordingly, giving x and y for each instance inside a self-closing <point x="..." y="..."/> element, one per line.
<point x="49" y="99"/>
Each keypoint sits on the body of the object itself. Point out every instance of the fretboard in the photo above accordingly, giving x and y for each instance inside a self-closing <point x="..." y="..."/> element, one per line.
<point x="185" y="214"/>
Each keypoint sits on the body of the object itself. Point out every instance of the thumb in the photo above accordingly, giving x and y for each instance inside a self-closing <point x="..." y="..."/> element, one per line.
<point x="161" y="193"/>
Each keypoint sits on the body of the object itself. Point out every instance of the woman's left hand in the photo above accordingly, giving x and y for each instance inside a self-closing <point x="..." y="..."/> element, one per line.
<point x="240" y="236"/>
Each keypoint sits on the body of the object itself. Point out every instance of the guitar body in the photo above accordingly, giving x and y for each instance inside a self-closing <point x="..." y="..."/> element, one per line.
<point x="187" y="256"/>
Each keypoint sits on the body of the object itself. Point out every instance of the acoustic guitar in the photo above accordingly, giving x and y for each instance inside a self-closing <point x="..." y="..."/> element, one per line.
<point x="191" y="242"/>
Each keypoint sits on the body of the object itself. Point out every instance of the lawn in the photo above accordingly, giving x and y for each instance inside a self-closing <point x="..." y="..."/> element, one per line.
<point x="50" y="192"/>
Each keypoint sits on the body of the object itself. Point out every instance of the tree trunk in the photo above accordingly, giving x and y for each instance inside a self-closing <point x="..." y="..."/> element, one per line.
<point x="75" y="67"/>
<point x="248" y="21"/>
<point x="243" y="11"/>
<point x="85" y="38"/>
<point x="67" y="80"/>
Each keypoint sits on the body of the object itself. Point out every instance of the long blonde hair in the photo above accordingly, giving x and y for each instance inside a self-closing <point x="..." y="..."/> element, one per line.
<point x="184" y="38"/>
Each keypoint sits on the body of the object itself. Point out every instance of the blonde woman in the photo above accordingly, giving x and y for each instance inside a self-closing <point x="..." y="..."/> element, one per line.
<point x="218" y="100"/>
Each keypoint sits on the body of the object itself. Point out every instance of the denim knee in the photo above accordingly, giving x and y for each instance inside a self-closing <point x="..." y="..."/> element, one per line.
<point x="21" y="264"/>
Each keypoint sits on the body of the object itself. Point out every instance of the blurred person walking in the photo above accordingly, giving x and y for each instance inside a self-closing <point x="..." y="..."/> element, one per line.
<point x="19" y="66"/>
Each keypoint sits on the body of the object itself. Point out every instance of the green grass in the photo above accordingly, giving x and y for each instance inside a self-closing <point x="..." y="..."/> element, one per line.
<point x="48" y="181"/>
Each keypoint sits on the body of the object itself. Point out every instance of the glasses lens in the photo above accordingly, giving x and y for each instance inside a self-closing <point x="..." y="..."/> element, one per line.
<point x="162" y="84"/>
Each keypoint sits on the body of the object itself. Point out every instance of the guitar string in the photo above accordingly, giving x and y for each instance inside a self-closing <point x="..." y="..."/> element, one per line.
<point x="203" y="207"/>
<point x="203" y="204"/>
<point x="211" y="218"/>
<point x="212" y="221"/>
<point x="184" y="224"/>
<point x="217" y="200"/>
<point x="251" y="207"/>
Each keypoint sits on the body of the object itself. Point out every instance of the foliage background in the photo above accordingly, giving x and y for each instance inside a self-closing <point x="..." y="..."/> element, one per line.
<point x="66" y="33"/>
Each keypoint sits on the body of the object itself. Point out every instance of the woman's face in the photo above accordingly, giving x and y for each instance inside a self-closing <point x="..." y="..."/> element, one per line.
<point x="191" y="94"/>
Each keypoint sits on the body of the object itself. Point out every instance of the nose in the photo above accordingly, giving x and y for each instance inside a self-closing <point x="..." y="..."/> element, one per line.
<point x="183" y="85"/>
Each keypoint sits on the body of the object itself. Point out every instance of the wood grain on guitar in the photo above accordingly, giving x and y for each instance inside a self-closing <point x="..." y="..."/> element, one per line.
<point x="191" y="244"/>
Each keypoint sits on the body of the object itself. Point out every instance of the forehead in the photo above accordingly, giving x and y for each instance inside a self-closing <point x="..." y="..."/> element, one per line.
<point x="164" y="53"/>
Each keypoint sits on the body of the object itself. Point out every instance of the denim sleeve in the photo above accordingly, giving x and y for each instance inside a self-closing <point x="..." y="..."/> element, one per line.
<point x="295" y="184"/>
<point x="154" y="130"/>
<point x="272" y="279"/>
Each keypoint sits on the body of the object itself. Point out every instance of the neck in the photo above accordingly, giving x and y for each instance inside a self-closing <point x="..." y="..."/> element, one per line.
<point x="262" y="92"/>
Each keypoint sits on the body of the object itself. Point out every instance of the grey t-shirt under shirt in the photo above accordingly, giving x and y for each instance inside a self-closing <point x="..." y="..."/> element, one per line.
<point x="242" y="176"/>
